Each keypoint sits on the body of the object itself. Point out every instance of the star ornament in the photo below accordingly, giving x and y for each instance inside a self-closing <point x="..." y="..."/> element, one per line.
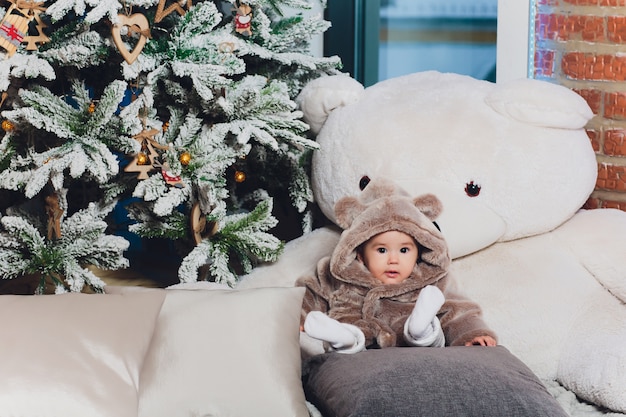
<point x="163" y="11"/>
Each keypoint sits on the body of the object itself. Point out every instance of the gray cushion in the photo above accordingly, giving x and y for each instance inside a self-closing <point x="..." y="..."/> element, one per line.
<point x="451" y="381"/>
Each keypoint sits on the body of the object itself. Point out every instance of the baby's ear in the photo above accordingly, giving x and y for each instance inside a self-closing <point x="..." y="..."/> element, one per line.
<point x="346" y="210"/>
<point x="429" y="204"/>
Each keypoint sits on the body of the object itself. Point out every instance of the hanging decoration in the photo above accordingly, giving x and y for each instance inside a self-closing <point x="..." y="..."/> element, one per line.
<point x="162" y="11"/>
<point x="243" y="19"/>
<point x="137" y="25"/>
<point x="14" y="26"/>
<point x="240" y="176"/>
<point x="144" y="161"/>
<point x="7" y="126"/>
<point x="169" y="177"/>
<point x="184" y="158"/>
<point x="54" y="213"/>
<point x="200" y="228"/>
<point x="34" y="12"/>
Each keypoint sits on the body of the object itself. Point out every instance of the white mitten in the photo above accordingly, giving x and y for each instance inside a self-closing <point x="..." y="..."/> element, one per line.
<point x="422" y="328"/>
<point x="342" y="337"/>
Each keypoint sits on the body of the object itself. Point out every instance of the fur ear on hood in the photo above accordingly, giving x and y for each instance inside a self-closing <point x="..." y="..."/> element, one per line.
<point x="429" y="204"/>
<point x="348" y="208"/>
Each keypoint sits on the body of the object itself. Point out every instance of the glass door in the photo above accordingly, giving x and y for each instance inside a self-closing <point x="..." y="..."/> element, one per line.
<point x="381" y="39"/>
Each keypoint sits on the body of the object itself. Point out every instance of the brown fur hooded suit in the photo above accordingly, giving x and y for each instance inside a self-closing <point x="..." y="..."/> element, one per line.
<point x="345" y="290"/>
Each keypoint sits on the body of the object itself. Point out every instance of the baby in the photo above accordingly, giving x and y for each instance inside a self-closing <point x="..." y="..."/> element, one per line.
<point x="387" y="281"/>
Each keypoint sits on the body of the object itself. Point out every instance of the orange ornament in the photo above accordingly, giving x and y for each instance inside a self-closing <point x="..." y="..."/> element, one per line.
<point x="7" y="126"/>
<point x="142" y="159"/>
<point x="184" y="158"/>
<point x="240" y="176"/>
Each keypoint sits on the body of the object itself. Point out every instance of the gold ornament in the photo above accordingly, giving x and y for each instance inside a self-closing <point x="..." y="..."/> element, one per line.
<point x="142" y="159"/>
<point x="139" y="164"/>
<point x="92" y="107"/>
<point x="7" y="126"/>
<point x="185" y="158"/>
<point x="240" y="176"/>
<point x="165" y="126"/>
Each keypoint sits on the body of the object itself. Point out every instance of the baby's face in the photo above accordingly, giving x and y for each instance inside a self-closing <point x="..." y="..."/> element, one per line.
<point x="390" y="256"/>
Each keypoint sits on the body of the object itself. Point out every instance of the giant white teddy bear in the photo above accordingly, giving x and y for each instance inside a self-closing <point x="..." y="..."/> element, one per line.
<point x="512" y="165"/>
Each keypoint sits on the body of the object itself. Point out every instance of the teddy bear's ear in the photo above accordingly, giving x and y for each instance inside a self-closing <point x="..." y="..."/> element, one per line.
<point x="429" y="204"/>
<point x="540" y="103"/>
<point x="324" y="94"/>
<point x="346" y="210"/>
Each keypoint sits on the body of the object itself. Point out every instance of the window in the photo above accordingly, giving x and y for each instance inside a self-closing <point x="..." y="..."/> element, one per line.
<point x="380" y="39"/>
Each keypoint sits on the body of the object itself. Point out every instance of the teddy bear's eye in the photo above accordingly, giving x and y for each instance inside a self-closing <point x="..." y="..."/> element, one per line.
<point x="472" y="189"/>
<point x="363" y="182"/>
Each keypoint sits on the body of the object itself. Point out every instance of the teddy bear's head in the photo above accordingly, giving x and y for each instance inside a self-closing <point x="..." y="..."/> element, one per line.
<point x="507" y="160"/>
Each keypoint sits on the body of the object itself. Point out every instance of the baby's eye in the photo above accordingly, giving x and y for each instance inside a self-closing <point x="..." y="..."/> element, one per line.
<point x="381" y="250"/>
<point x="404" y="250"/>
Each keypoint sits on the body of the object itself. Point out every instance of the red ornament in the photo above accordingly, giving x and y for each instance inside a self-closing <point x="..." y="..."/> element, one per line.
<point x="171" y="178"/>
<point x="243" y="20"/>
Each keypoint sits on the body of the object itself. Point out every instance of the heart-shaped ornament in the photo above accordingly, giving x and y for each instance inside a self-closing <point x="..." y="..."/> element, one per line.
<point x="136" y="23"/>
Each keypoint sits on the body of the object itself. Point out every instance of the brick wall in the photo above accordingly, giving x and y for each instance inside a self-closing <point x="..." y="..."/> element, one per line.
<point x="581" y="44"/>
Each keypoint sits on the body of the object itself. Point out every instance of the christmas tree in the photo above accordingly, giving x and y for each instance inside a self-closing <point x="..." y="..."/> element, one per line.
<point x="182" y="110"/>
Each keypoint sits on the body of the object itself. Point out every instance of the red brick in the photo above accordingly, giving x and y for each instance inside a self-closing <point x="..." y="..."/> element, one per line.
<point x="582" y="2"/>
<point x="548" y="2"/>
<point x="612" y="3"/>
<point x="620" y="205"/>
<point x="544" y="63"/>
<point x="592" y="203"/>
<point x="594" y="138"/>
<point x="616" y="29"/>
<point x="611" y="178"/>
<point x="597" y="203"/>
<point x="592" y="97"/>
<point x="591" y="28"/>
<point x="615" y="142"/>
<point x="615" y="105"/>
<point x="586" y="66"/>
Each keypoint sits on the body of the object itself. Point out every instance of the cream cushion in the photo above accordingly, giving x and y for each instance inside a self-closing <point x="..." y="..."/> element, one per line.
<point x="74" y="355"/>
<point x="224" y="353"/>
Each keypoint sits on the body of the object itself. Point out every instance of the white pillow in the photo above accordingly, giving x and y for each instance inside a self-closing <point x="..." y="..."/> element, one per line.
<point x="74" y="355"/>
<point x="225" y="353"/>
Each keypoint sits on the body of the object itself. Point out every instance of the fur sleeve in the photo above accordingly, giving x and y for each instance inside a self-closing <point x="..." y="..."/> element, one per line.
<point x="317" y="292"/>
<point x="461" y="318"/>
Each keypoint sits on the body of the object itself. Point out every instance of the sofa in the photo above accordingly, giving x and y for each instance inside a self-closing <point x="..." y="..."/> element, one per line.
<point x="205" y="350"/>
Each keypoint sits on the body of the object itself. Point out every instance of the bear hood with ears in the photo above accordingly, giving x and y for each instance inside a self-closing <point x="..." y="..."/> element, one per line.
<point x="381" y="207"/>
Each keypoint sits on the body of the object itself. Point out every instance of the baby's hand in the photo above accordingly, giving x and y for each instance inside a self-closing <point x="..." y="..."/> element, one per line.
<point x="482" y="341"/>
